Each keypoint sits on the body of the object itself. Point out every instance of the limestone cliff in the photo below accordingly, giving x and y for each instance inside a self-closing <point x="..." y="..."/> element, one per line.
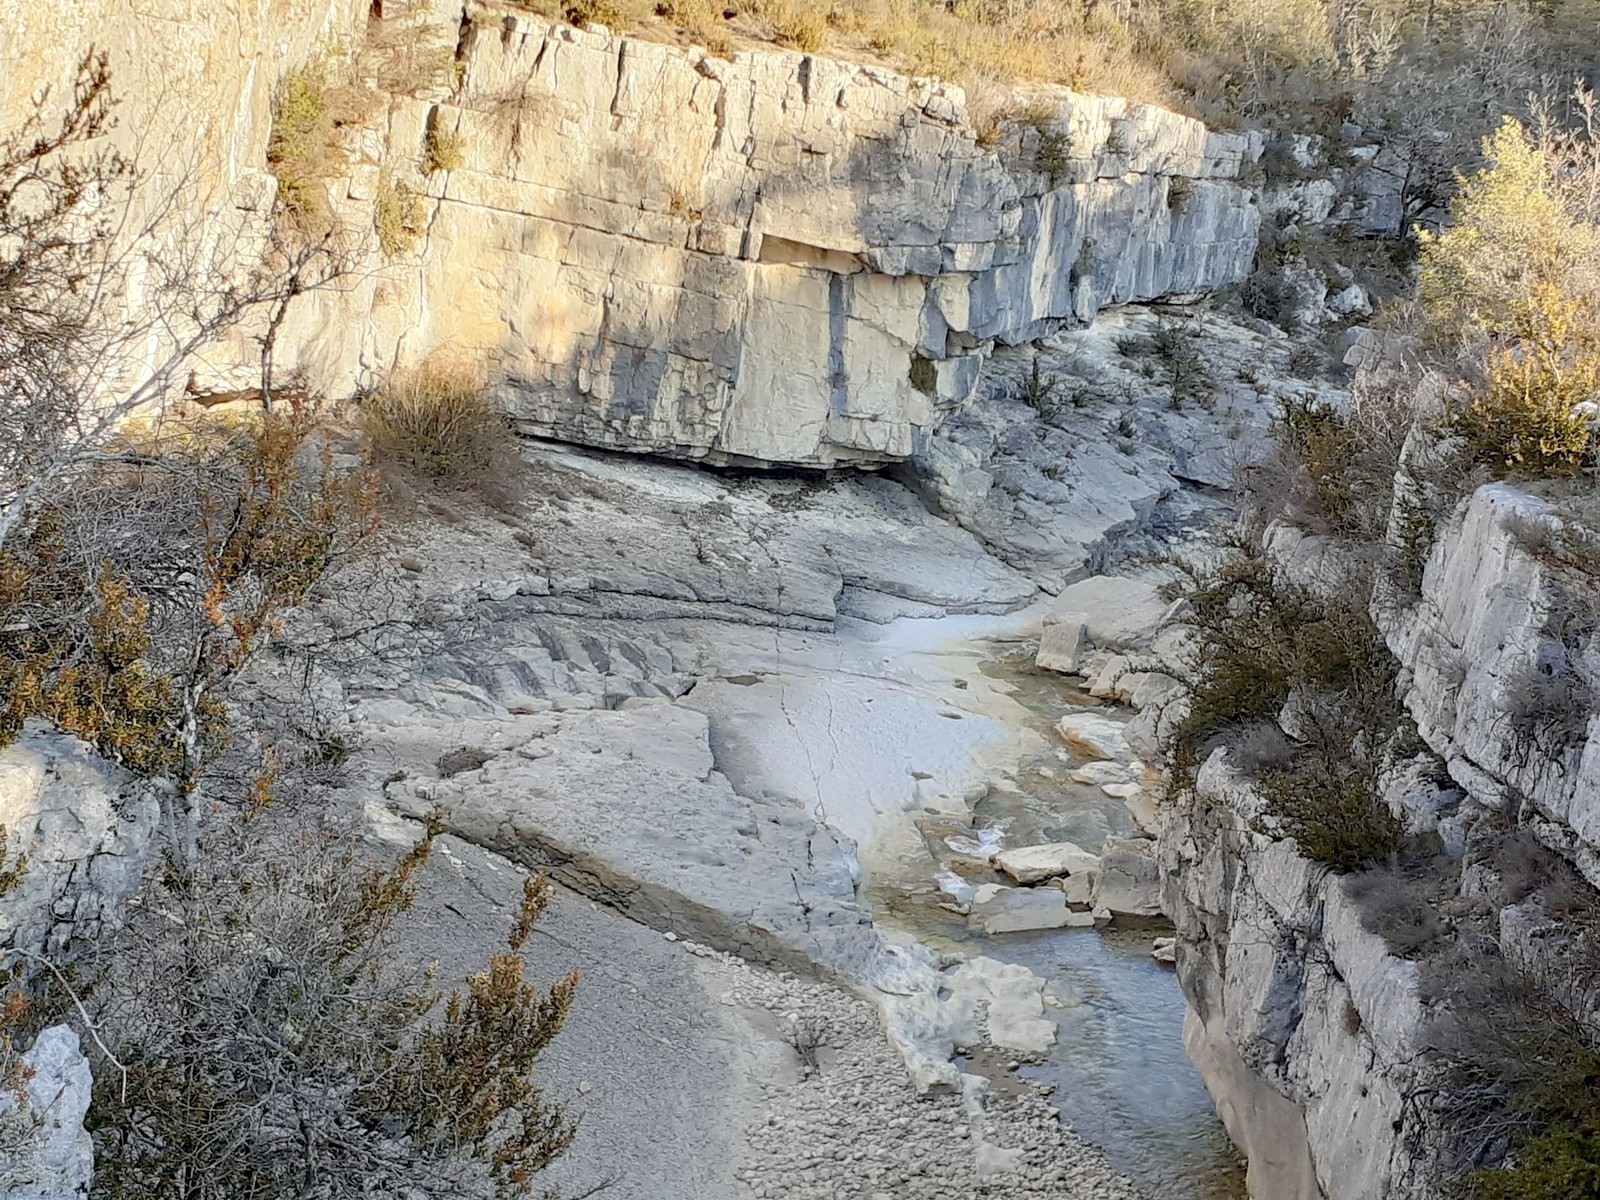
<point x="775" y="259"/>
<point x="1310" y="1032"/>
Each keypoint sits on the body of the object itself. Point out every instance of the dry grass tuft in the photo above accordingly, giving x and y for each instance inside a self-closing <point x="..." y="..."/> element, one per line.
<point x="436" y="426"/>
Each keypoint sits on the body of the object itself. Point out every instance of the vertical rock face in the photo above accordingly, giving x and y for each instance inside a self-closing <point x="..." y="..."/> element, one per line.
<point x="1489" y="617"/>
<point x="774" y="259"/>
<point x="1302" y="1024"/>
<point x="782" y="258"/>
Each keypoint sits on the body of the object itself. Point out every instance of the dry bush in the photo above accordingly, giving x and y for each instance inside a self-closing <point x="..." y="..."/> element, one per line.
<point x="1513" y="287"/>
<point x="1260" y="640"/>
<point x="460" y="760"/>
<point x="437" y="425"/>
<point x="1332" y="469"/>
<point x="141" y="594"/>
<point x="443" y="149"/>
<point x="277" y="1039"/>
<point x="1404" y="902"/>
<point x="399" y="216"/>
<point x="306" y="149"/>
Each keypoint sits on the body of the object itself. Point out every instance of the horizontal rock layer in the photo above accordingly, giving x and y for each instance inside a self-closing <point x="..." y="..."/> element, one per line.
<point x="777" y="259"/>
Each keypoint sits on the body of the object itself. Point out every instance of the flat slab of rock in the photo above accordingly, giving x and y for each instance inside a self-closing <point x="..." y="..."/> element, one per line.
<point x="1000" y="909"/>
<point x="1102" y="772"/>
<point x="1033" y="864"/>
<point x="625" y="806"/>
<point x="1014" y="1000"/>
<point x="1091" y="736"/>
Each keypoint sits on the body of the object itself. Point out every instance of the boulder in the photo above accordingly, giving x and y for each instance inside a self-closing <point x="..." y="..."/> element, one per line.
<point x="1062" y="643"/>
<point x="1120" y="611"/>
<point x="1033" y="864"/>
<point x="1350" y="301"/>
<point x="87" y="827"/>
<point x="1078" y="889"/>
<point x="1091" y="736"/>
<point x="1129" y="885"/>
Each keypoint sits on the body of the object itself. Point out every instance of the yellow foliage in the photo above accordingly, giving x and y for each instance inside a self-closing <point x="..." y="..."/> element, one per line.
<point x="1516" y="279"/>
<point x="1526" y="418"/>
<point x="398" y="216"/>
<point x="1511" y="234"/>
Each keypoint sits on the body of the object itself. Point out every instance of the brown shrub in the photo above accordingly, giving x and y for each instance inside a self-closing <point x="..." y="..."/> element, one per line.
<point x="437" y="425"/>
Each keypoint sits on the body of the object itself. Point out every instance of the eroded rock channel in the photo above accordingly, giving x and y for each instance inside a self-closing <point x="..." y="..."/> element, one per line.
<point x="786" y="722"/>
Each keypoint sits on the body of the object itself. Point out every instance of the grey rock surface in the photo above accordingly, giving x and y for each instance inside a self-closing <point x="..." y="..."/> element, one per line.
<point x="86" y="826"/>
<point x="45" y="1152"/>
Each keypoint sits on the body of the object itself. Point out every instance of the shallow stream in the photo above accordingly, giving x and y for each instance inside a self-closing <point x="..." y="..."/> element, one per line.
<point x="1119" y="1071"/>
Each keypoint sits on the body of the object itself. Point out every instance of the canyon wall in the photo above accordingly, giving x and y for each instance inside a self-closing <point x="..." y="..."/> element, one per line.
<point x="773" y="259"/>
<point x="1310" y="1032"/>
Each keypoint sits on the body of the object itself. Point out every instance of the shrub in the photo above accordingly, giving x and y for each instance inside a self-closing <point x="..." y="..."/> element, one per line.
<point x="805" y="30"/>
<point x="594" y="12"/>
<point x="1403" y="903"/>
<point x="437" y="423"/>
<point x="277" y="1042"/>
<point x="1180" y="192"/>
<point x="1514" y="286"/>
<point x="460" y="760"/>
<point x="398" y="216"/>
<point x="1259" y="640"/>
<point x="305" y="149"/>
<point x="1343" y="823"/>
<point x="442" y="149"/>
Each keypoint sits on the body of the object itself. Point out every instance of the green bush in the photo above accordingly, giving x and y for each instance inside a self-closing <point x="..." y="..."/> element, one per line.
<point x="1260" y="639"/>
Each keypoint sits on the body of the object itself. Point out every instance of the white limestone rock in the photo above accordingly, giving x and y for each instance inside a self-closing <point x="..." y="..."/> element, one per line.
<point x="1021" y="910"/>
<point x="87" y="827"/>
<point x="49" y="1155"/>
<point x="1122" y="611"/>
<point x="1092" y="736"/>
<point x="1033" y="864"/>
<point x="1062" y="643"/>
<point x="1128" y="884"/>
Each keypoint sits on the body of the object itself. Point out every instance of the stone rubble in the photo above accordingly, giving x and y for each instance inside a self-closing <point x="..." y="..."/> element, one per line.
<point x="853" y="1129"/>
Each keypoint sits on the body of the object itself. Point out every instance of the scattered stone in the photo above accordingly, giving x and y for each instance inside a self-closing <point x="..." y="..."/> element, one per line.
<point x="1032" y="864"/>
<point x="1091" y="736"/>
<point x="1103" y="772"/>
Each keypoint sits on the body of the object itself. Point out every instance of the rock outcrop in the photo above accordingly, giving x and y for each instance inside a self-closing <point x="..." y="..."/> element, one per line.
<point x="1307" y="1027"/>
<point x="45" y="1152"/>
<point x="1303" y="1026"/>
<point x="1497" y="659"/>
<point x="773" y="259"/>
<point x="86" y="828"/>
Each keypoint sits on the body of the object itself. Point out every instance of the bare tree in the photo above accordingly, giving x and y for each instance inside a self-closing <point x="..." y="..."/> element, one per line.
<point x="77" y="358"/>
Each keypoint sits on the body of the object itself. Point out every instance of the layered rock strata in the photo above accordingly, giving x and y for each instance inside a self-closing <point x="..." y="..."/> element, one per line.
<point x="773" y="259"/>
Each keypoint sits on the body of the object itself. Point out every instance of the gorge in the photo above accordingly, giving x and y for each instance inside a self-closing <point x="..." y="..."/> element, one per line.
<point x="862" y="438"/>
